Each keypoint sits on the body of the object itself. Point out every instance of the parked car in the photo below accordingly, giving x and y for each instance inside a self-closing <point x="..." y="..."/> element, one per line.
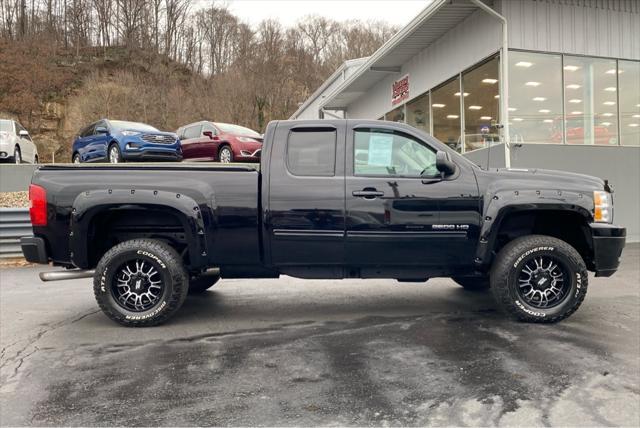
<point x="331" y="199"/>
<point x="118" y="141"/>
<point x="224" y="142"/>
<point x="16" y="145"/>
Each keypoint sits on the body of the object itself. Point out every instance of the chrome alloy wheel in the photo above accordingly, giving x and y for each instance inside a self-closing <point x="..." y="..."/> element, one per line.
<point x="137" y="285"/>
<point x="543" y="282"/>
<point x="225" y="155"/>
<point x="114" y="155"/>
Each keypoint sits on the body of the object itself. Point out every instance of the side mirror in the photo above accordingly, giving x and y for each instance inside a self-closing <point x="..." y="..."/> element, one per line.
<point x="444" y="164"/>
<point x="208" y="134"/>
<point x="101" y="130"/>
<point x="23" y="133"/>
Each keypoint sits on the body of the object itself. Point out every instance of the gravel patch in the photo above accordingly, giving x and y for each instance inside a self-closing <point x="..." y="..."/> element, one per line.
<point x="14" y="200"/>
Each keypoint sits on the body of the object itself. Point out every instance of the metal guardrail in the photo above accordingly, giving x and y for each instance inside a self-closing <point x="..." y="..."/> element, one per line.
<point x="14" y="224"/>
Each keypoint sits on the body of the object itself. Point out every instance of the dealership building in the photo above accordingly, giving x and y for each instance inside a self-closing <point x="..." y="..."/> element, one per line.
<point x="549" y="84"/>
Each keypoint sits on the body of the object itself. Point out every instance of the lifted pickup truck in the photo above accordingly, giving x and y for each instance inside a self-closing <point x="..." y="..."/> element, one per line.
<point x="331" y="199"/>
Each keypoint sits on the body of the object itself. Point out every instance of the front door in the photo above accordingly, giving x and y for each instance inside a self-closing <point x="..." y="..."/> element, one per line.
<point x="396" y="203"/>
<point x="305" y="219"/>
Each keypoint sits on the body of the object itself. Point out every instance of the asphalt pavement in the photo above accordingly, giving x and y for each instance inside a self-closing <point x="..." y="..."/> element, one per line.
<point x="290" y="352"/>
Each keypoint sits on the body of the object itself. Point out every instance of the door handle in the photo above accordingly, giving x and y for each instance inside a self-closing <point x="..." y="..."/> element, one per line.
<point x="367" y="194"/>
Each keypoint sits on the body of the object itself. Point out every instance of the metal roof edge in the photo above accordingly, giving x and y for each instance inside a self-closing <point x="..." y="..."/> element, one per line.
<point x="399" y="37"/>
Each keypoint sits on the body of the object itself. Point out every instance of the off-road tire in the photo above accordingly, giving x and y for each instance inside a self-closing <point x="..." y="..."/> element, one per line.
<point x="170" y="267"/>
<point x="200" y="284"/>
<point x="473" y="283"/>
<point x="506" y="269"/>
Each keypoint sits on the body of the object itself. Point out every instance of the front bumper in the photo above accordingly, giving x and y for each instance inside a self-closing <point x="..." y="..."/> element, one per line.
<point x="34" y="250"/>
<point x="147" y="154"/>
<point x="608" y="242"/>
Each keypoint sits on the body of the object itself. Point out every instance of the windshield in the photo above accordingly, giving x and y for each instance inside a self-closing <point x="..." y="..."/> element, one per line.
<point x="6" y="126"/>
<point x="236" y="129"/>
<point x="121" y="125"/>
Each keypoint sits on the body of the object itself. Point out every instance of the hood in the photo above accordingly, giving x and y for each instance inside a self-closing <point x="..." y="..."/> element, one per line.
<point x="516" y="178"/>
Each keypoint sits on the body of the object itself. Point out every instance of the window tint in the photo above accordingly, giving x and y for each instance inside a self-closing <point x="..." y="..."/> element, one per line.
<point x="192" y="132"/>
<point x="210" y="128"/>
<point x="87" y="131"/>
<point x="6" y="126"/>
<point x="387" y="153"/>
<point x="101" y="123"/>
<point x="312" y="152"/>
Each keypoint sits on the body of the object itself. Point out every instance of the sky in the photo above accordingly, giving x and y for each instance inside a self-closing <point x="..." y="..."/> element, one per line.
<point x="395" y="12"/>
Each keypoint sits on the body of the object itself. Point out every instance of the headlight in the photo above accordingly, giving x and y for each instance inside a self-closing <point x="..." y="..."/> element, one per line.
<point x="602" y="206"/>
<point x="247" y="140"/>
<point x="130" y="133"/>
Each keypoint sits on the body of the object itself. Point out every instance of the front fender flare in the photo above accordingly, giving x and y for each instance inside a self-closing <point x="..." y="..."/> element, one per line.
<point x="500" y="204"/>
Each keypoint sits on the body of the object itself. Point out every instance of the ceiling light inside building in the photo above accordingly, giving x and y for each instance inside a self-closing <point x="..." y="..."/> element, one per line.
<point x="437" y="105"/>
<point x="524" y="64"/>
<point x="575" y="101"/>
<point x="496" y="96"/>
<point x="571" y="67"/>
<point x="609" y="103"/>
<point x="485" y="117"/>
<point x="544" y="110"/>
<point x="457" y="94"/>
<point x="636" y="116"/>
<point x="606" y="124"/>
<point x="607" y="114"/>
<point x="613" y="71"/>
<point x="475" y="107"/>
<point x="490" y="81"/>
<point x="512" y="109"/>
<point x="633" y="125"/>
<point x="577" y="113"/>
<point x="548" y="121"/>
<point x="610" y="89"/>
<point x="518" y="119"/>
<point x="534" y="84"/>
<point x="452" y="116"/>
<point x="539" y="99"/>
<point x="573" y="86"/>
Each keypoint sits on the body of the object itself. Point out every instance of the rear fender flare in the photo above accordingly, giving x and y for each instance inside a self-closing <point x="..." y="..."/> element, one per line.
<point x="92" y="202"/>
<point x="497" y="206"/>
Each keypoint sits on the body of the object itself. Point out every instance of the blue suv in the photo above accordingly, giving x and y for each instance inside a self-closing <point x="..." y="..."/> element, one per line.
<point x="117" y="141"/>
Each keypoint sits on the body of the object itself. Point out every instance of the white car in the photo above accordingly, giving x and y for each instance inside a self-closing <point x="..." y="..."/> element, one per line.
<point x="16" y="145"/>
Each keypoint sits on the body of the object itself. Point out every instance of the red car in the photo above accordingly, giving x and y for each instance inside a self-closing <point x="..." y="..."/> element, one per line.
<point x="224" y="142"/>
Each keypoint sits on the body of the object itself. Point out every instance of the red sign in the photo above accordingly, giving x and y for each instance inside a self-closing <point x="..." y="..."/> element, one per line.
<point x="400" y="90"/>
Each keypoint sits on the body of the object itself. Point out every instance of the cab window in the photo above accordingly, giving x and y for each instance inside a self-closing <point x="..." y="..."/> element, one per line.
<point x="312" y="152"/>
<point x="381" y="152"/>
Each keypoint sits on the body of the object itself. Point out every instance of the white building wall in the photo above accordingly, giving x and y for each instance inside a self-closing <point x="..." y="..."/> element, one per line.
<point x="472" y="40"/>
<point x="606" y="28"/>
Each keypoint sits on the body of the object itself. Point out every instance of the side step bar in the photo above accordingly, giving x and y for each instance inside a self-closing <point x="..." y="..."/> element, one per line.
<point x="64" y="275"/>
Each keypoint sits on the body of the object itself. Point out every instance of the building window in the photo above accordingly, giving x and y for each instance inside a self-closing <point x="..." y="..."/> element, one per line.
<point x="396" y="115"/>
<point x="418" y="112"/>
<point x="312" y="152"/>
<point x="629" y="98"/>
<point x="481" y="105"/>
<point x="590" y="101"/>
<point x="535" y="98"/>
<point x="445" y="108"/>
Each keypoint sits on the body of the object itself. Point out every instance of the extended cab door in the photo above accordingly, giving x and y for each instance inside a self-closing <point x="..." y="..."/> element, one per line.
<point x="398" y="210"/>
<point x="304" y="217"/>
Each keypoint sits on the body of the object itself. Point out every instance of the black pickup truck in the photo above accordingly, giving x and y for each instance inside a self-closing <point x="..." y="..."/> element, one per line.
<point x="331" y="199"/>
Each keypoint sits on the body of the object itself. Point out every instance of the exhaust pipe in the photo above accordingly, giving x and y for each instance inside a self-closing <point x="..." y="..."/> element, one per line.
<point x="63" y="275"/>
